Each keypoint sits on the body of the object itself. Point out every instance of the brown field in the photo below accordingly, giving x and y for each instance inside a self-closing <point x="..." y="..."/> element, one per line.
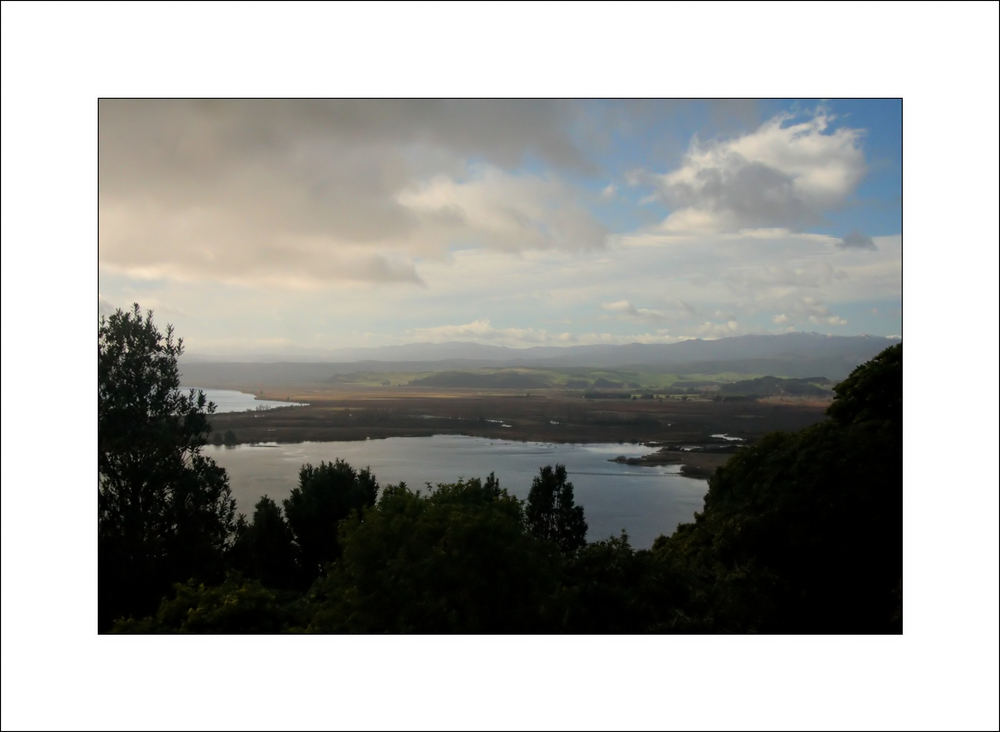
<point x="344" y="413"/>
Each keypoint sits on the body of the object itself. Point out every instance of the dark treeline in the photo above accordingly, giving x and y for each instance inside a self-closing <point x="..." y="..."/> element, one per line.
<point x="800" y="533"/>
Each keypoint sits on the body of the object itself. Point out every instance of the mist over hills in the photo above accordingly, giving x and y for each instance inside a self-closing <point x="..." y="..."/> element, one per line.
<point x="790" y="354"/>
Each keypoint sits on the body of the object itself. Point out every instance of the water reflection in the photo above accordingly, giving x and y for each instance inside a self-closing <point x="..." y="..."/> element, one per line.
<point x="645" y="501"/>
<point x="228" y="400"/>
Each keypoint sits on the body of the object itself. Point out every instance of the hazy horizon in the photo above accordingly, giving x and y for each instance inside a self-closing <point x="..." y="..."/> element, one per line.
<point x="282" y="227"/>
<point x="440" y="350"/>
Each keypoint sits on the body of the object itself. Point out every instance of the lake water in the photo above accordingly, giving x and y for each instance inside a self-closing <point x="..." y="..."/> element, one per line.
<point x="227" y="400"/>
<point x="646" y="501"/>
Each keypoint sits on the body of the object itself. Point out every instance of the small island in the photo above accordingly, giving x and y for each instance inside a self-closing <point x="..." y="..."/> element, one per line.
<point x="696" y="460"/>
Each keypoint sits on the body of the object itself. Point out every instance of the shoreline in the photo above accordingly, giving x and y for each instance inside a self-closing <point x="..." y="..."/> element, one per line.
<point x="699" y="463"/>
<point x="697" y="434"/>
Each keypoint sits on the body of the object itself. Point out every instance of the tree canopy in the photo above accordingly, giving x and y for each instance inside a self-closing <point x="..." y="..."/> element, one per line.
<point x="265" y="548"/>
<point x="326" y="494"/>
<point x="873" y="391"/>
<point x="802" y="532"/>
<point x="457" y="559"/>
<point x="552" y="513"/>
<point x="164" y="510"/>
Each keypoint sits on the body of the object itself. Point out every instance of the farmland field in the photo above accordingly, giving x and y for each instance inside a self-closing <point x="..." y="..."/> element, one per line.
<point x="355" y="412"/>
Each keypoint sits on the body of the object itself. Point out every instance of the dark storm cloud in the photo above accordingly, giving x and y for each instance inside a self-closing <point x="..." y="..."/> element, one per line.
<point x="225" y="184"/>
<point x="198" y="141"/>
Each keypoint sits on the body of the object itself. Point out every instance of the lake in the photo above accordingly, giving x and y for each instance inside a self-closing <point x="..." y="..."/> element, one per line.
<point x="646" y="501"/>
<point x="227" y="400"/>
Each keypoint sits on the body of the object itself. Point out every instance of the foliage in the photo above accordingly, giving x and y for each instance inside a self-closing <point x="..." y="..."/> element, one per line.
<point x="326" y="494"/>
<point x="602" y="589"/>
<point x="164" y="511"/>
<point x="456" y="560"/>
<point x="235" y="606"/>
<point x="265" y="550"/>
<point x="802" y="532"/>
<point x="551" y="512"/>
<point x="873" y="391"/>
<point x="774" y="386"/>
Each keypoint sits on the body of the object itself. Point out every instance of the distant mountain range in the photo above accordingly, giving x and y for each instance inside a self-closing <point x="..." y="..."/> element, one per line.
<point x="789" y="354"/>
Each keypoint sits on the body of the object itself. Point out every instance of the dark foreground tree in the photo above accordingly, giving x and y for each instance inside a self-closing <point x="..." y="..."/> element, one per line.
<point x="237" y="605"/>
<point x="457" y="560"/>
<point x="802" y="532"/>
<point x="326" y="495"/>
<point x="264" y="549"/>
<point x="873" y="392"/>
<point x="552" y="514"/>
<point x="165" y="512"/>
<point x="604" y="589"/>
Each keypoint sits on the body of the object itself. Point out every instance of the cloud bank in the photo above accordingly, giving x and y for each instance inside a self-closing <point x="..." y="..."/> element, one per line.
<point x="318" y="224"/>
<point x="304" y="193"/>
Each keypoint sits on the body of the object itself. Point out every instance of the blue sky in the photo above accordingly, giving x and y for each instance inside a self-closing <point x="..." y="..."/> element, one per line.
<point x="295" y="227"/>
<point x="663" y="139"/>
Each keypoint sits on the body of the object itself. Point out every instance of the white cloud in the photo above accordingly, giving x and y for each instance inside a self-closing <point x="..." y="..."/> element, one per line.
<point x="556" y="296"/>
<point x="483" y="331"/>
<point x="753" y="272"/>
<point x="491" y="209"/>
<point x="155" y="241"/>
<point x="624" y="307"/>
<point x="760" y="277"/>
<point x="812" y="306"/>
<point x="698" y="221"/>
<point x="829" y="320"/>
<point x="779" y="319"/>
<point x="780" y="175"/>
<point x="620" y="306"/>
<point x="502" y="211"/>
<point x="710" y="330"/>
<point x="479" y="330"/>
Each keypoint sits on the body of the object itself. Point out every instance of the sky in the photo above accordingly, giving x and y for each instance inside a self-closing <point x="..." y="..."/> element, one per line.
<point x="295" y="226"/>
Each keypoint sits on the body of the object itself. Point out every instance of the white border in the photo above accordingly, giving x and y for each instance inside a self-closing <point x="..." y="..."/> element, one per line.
<point x="58" y="58"/>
